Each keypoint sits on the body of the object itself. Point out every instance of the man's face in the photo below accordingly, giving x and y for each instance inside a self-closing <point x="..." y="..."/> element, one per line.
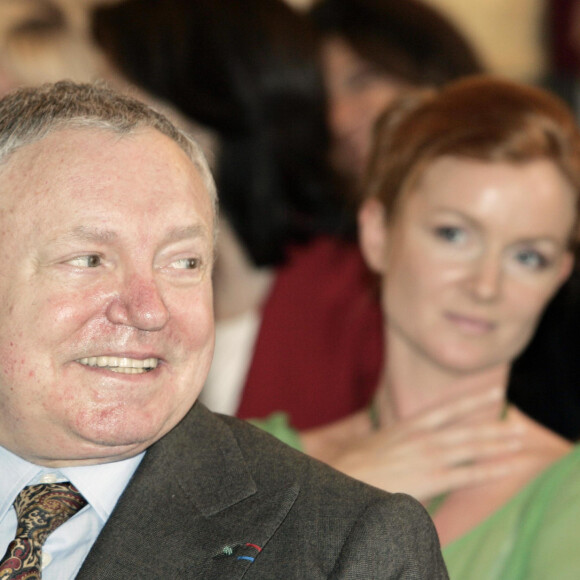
<point x="106" y="322"/>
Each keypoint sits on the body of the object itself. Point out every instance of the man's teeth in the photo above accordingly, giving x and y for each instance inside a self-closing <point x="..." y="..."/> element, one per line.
<point x="131" y="366"/>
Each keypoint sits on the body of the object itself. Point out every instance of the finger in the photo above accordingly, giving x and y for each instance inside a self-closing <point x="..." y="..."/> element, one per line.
<point x="476" y="474"/>
<point x="471" y="453"/>
<point x="448" y="448"/>
<point x="450" y="411"/>
<point x="488" y="431"/>
<point x="432" y="458"/>
<point x="424" y="443"/>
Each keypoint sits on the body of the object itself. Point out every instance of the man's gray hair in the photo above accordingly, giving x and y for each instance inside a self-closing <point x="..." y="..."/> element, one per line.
<point x="29" y="114"/>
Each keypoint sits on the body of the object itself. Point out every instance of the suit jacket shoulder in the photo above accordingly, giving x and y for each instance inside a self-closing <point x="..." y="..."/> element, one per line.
<point x="217" y="498"/>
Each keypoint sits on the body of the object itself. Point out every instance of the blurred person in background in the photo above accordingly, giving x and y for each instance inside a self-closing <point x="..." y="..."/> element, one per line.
<point x="47" y="41"/>
<point x="298" y="320"/>
<point x="371" y="51"/>
<point x="41" y="42"/>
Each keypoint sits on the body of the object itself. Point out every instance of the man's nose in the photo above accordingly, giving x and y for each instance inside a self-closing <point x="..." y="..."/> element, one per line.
<point x="486" y="277"/>
<point x="139" y="304"/>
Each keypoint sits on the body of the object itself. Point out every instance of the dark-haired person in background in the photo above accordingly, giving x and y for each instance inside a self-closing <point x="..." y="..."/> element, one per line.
<point x="371" y="51"/>
<point x="298" y="319"/>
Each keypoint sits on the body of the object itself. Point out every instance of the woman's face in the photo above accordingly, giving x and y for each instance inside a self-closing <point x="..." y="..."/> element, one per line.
<point x="358" y="92"/>
<point x="474" y="254"/>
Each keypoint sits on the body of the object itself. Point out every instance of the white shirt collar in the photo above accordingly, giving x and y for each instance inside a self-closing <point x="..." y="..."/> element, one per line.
<point x="100" y="485"/>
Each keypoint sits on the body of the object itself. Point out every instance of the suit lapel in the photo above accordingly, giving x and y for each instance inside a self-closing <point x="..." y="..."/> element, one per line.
<point x="191" y="510"/>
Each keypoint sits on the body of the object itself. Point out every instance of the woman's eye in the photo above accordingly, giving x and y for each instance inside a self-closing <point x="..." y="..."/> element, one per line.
<point x="450" y="234"/>
<point x="532" y="259"/>
<point x="88" y="261"/>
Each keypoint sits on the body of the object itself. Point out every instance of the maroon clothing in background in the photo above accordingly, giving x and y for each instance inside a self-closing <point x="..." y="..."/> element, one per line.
<point x="319" y="349"/>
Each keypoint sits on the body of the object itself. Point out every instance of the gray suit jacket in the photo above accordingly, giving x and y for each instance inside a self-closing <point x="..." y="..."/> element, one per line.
<point x="218" y="499"/>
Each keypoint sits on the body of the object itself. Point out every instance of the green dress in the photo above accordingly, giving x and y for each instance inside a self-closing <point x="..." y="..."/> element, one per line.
<point x="534" y="536"/>
<point x="277" y="424"/>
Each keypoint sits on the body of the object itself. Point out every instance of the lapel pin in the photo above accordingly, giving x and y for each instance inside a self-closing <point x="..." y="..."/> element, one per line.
<point x="242" y="551"/>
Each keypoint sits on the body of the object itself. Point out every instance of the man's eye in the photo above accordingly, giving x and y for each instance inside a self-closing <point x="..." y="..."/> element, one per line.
<point x="450" y="234"/>
<point x="188" y="263"/>
<point x="88" y="261"/>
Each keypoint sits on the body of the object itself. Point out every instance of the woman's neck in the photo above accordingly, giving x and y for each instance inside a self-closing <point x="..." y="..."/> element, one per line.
<point x="412" y="383"/>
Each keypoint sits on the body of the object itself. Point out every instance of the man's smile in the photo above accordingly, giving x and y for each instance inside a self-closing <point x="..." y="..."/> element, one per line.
<point x="121" y="364"/>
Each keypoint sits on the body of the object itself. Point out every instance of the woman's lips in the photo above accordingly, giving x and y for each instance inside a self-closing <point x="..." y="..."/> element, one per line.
<point x="469" y="324"/>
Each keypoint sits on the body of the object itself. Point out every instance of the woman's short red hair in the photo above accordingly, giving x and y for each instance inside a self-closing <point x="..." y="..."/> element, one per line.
<point x="481" y="117"/>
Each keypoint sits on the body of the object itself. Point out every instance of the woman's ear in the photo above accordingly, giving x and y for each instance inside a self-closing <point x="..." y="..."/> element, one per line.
<point x="373" y="234"/>
<point x="566" y="267"/>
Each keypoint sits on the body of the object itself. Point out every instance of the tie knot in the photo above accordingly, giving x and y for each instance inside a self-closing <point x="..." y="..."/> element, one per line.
<point x="42" y="508"/>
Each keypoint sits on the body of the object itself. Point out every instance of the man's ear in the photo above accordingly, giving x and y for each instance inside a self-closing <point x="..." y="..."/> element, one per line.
<point x="373" y="234"/>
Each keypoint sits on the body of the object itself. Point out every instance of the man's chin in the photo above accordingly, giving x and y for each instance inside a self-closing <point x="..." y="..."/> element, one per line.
<point x="130" y="439"/>
<point x="109" y="443"/>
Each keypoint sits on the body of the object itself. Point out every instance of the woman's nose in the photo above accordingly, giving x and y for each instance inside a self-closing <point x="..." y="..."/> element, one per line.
<point x="486" y="278"/>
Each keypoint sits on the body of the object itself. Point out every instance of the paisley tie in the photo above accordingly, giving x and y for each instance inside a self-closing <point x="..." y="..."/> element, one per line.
<point x="40" y="510"/>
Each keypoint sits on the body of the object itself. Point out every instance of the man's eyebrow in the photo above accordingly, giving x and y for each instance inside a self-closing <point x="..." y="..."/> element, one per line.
<point x="104" y="236"/>
<point x="186" y="233"/>
<point x="89" y="234"/>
